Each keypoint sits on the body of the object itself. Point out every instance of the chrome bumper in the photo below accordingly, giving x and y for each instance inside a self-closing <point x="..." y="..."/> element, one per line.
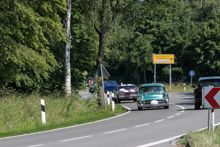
<point x="147" y="104"/>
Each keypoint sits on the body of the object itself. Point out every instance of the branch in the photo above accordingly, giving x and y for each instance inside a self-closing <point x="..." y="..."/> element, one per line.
<point x="97" y="30"/>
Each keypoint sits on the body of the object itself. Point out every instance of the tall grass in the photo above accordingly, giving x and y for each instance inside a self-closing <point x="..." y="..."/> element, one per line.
<point x="178" y="87"/>
<point x="203" y="138"/>
<point x="22" y="114"/>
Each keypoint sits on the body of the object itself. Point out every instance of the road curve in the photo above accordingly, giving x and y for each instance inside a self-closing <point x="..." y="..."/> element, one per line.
<point x="148" y="127"/>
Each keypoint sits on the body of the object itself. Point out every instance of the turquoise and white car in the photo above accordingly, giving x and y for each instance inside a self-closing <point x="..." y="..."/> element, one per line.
<point x="152" y="95"/>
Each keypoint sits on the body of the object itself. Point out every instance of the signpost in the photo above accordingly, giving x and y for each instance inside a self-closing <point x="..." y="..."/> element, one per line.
<point x="211" y="100"/>
<point x="163" y="59"/>
<point x="90" y="82"/>
<point x="102" y="72"/>
<point x="191" y="73"/>
<point x="85" y="73"/>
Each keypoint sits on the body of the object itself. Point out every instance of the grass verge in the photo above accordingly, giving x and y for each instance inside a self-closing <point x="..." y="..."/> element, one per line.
<point x="202" y="138"/>
<point x="22" y="114"/>
<point x="178" y="87"/>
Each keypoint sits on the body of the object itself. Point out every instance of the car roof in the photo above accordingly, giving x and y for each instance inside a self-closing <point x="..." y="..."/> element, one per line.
<point x="126" y="85"/>
<point x="152" y="84"/>
<point x="209" y="78"/>
<point x="110" y="81"/>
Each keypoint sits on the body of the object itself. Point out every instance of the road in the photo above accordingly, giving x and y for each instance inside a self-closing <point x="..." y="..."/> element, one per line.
<point x="148" y="127"/>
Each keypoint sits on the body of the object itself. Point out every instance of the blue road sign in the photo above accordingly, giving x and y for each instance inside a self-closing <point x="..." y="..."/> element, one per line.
<point x="191" y="73"/>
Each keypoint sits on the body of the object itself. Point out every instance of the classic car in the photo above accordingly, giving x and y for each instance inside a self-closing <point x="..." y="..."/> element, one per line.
<point x="109" y="85"/>
<point x="125" y="92"/>
<point x="204" y="82"/>
<point x="152" y="95"/>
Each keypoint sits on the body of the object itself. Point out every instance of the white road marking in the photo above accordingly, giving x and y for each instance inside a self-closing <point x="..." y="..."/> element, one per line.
<point x="178" y="113"/>
<point x="183" y="109"/>
<point x="159" y="120"/>
<point x="161" y="141"/>
<point x="169" y="139"/>
<point x="114" y="131"/>
<point x="36" y="145"/>
<point x="141" y="125"/>
<point x="170" y="117"/>
<point x="76" y="138"/>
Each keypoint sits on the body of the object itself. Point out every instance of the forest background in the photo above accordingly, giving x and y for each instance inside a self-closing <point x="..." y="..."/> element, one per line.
<point x="33" y="39"/>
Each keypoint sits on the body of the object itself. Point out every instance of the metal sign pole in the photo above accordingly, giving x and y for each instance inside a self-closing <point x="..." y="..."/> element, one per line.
<point x="154" y="73"/>
<point x="209" y="120"/>
<point x="170" y="76"/>
<point x="212" y="119"/>
<point x="103" y="85"/>
<point x="191" y="80"/>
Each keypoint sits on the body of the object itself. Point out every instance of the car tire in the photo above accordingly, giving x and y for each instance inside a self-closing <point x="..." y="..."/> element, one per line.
<point x="197" y="106"/>
<point x="166" y="107"/>
<point x="139" y="108"/>
<point x="118" y="101"/>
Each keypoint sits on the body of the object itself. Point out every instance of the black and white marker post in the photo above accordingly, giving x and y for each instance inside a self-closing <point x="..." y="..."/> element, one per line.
<point x="43" y="112"/>
<point x="108" y="99"/>
<point x="113" y="102"/>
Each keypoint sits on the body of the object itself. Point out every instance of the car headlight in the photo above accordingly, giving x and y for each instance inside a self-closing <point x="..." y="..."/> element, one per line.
<point x="139" y="98"/>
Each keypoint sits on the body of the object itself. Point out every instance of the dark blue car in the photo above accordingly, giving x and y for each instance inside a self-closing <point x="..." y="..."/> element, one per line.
<point x="109" y="85"/>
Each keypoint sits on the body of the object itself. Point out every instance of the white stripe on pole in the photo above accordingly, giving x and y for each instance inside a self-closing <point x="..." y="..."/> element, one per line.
<point x="43" y="112"/>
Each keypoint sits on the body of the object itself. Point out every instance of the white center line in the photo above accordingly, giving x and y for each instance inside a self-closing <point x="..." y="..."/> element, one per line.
<point x="159" y="120"/>
<point x="76" y="138"/>
<point x="141" y="125"/>
<point x="36" y="145"/>
<point x="170" y="117"/>
<point x="178" y="114"/>
<point x="114" y="131"/>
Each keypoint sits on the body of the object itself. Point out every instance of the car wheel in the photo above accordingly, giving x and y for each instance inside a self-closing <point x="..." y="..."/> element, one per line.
<point x="118" y="101"/>
<point x="139" y="108"/>
<point x="166" y="107"/>
<point x="197" y="106"/>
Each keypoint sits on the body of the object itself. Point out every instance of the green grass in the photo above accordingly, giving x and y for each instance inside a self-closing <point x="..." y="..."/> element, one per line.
<point x="22" y="114"/>
<point x="203" y="138"/>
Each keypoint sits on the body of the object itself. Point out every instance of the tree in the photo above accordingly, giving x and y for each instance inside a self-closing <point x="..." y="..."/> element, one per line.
<point x="27" y="29"/>
<point x="67" y="51"/>
<point x="101" y="14"/>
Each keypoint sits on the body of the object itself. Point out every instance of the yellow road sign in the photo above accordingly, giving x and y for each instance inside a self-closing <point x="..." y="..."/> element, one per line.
<point x="163" y="58"/>
<point x="85" y="73"/>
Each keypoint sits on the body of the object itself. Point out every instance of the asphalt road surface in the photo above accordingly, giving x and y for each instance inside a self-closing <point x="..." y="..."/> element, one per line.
<point x="148" y="127"/>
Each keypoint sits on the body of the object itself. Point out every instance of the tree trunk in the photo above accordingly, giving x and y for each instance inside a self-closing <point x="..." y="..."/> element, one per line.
<point x="100" y="57"/>
<point x="67" y="51"/>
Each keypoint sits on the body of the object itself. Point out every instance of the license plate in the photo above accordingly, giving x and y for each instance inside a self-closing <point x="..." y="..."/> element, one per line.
<point x="154" y="102"/>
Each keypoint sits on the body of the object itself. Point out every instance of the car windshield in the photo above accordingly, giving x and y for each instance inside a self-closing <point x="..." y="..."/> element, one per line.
<point x="110" y="83"/>
<point x="152" y="89"/>
<point x="207" y="83"/>
<point x="127" y="88"/>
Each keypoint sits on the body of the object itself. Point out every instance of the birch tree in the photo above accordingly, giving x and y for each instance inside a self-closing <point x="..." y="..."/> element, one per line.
<point x="67" y="51"/>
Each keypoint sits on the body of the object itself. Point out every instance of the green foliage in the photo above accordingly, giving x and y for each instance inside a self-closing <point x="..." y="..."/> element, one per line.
<point x="27" y="30"/>
<point x="202" y="138"/>
<point x="33" y="38"/>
